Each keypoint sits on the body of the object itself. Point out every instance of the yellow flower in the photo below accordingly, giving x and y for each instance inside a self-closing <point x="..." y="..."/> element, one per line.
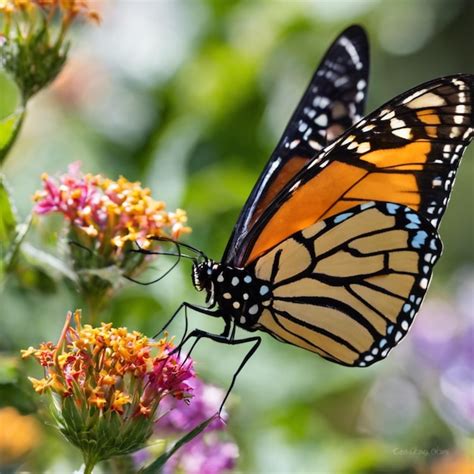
<point x="97" y="399"/>
<point x="27" y="352"/>
<point x="120" y="399"/>
<point x="40" y="385"/>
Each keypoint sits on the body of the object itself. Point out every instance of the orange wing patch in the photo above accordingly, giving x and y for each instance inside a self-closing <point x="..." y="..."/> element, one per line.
<point x="292" y="166"/>
<point x="407" y="152"/>
<point x="340" y="186"/>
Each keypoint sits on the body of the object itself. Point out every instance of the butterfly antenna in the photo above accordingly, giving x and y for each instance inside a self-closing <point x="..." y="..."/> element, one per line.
<point x="182" y="244"/>
<point x="150" y="252"/>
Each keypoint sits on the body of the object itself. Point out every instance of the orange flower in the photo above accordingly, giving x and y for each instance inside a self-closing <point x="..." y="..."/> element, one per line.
<point x="97" y="399"/>
<point x="110" y="367"/>
<point x="119" y="399"/>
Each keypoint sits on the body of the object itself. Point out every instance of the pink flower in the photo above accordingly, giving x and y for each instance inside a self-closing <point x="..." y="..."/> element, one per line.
<point x="116" y="212"/>
<point x="169" y="376"/>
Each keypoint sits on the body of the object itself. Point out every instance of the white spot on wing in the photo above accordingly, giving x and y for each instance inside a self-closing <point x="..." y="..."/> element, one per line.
<point x="315" y="145"/>
<point x="426" y="100"/>
<point x="350" y="48"/>
<point x="403" y="133"/>
<point x="397" y="123"/>
<point x="361" y="84"/>
<point x="363" y="147"/>
<point x="321" y="120"/>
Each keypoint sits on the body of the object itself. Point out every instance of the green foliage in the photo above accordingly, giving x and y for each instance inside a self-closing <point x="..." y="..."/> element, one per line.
<point x="12" y="232"/>
<point x="11" y="112"/>
<point x="15" y="389"/>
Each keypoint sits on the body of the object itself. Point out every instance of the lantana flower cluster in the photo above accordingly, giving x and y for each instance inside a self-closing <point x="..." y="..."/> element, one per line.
<point x="112" y="212"/>
<point x="107" y="383"/>
<point x="107" y="221"/>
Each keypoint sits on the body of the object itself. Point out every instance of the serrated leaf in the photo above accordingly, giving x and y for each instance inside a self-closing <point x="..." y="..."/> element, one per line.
<point x="156" y="466"/>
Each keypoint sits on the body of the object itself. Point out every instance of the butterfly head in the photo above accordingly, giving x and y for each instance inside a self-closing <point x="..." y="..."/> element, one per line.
<point x="202" y="273"/>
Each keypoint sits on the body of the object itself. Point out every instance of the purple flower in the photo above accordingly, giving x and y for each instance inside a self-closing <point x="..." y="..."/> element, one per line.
<point x="206" y="454"/>
<point x="184" y="415"/>
<point x="444" y="354"/>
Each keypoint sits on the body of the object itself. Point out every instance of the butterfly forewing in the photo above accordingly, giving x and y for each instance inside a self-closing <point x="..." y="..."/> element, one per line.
<point x="407" y="152"/>
<point x="334" y="100"/>
<point x="349" y="287"/>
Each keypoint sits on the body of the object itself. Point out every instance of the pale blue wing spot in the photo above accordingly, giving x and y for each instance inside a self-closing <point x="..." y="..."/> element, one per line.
<point x="392" y="208"/>
<point x="414" y="218"/>
<point x="419" y="239"/>
<point x="342" y="217"/>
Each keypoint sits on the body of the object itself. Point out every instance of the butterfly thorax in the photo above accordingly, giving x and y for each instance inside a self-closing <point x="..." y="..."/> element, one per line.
<point x="238" y="292"/>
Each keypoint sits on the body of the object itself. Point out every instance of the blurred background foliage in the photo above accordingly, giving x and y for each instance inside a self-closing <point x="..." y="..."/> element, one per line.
<point x="190" y="98"/>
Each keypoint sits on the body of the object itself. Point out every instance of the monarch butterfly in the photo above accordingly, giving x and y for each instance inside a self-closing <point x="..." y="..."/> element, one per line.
<point x="334" y="249"/>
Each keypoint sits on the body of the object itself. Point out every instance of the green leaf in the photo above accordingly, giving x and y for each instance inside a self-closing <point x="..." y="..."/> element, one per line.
<point x="8" y="217"/>
<point x="21" y="231"/>
<point x="11" y="112"/>
<point x="52" y="264"/>
<point x="156" y="466"/>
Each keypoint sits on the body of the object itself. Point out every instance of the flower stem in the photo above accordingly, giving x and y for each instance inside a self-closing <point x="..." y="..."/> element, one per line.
<point x="90" y="462"/>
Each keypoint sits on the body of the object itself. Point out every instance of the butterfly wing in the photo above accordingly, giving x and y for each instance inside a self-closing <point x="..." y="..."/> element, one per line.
<point x="407" y="152"/>
<point x="349" y="287"/>
<point x="333" y="101"/>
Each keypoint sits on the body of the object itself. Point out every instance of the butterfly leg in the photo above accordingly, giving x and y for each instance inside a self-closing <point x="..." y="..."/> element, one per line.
<point x="200" y="309"/>
<point x="224" y="339"/>
<point x="228" y="333"/>
<point x="256" y="340"/>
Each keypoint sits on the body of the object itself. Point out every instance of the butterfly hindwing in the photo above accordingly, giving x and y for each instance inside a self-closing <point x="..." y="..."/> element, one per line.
<point x="349" y="287"/>
<point x="406" y="152"/>
<point x="333" y="101"/>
